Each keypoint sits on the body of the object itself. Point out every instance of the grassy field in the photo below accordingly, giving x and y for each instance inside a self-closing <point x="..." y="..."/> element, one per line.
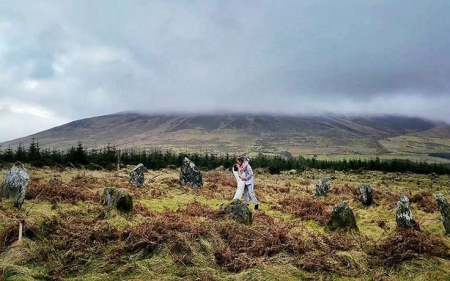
<point x="179" y="233"/>
<point x="414" y="147"/>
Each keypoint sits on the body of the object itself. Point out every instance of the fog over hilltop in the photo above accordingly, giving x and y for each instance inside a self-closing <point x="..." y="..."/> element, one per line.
<point x="67" y="60"/>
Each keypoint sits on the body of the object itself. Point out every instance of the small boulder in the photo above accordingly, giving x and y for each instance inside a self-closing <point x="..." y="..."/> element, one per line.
<point x="322" y="187"/>
<point x="238" y="211"/>
<point x="54" y="182"/>
<point x="137" y="175"/>
<point x="342" y="217"/>
<point x="121" y="200"/>
<point x="94" y="167"/>
<point x="444" y="208"/>
<point x="366" y="194"/>
<point x="15" y="184"/>
<point x="433" y="176"/>
<point x="190" y="174"/>
<point x="404" y="216"/>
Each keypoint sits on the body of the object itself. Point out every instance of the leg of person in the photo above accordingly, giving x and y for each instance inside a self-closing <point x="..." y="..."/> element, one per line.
<point x="246" y="194"/>
<point x="252" y="195"/>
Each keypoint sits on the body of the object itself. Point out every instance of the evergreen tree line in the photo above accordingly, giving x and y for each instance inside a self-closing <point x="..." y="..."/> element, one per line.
<point x="109" y="156"/>
<point x="440" y="155"/>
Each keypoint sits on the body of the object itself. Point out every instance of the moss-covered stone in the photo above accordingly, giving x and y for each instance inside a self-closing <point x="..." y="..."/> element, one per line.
<point x="118" y="199"/>
<point x="404" y="216"/>
<point x="190" y="174"/>
<point x="342" y="217"/>
<point x="15" y="184"/>
<point x="137" y="176"/>
<point x="366" y="194"/>
<point x="322" y="187"/>
<point x="238" y="211"/>
<point x="444" y="208"/>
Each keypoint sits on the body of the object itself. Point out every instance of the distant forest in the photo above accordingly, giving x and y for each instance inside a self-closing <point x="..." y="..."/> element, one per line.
<point x="108" y="158"/>
<point x="440" y="155"/>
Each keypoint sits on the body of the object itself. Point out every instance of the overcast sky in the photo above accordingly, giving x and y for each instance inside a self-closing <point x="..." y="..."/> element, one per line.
<point x="65" y="60"/>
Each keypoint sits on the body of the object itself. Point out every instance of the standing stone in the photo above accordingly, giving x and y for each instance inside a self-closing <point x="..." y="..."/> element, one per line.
<point x="238" y="211"/>
<point x="322" y="187"/>
<point x="366" y="193"/>
<point x="433" y="176"/>
<point x="137" y="175"/>
<point x="15" y="184"/>
<point x="118" y="199"/>
<point x="190" y="174"/>
<point x="404" y="217"/>
<point x="444" y="207"/>
<point x="342" y="217"/>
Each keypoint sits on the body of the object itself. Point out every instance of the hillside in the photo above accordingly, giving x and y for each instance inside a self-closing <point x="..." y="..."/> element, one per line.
<point x="328" y="137"/>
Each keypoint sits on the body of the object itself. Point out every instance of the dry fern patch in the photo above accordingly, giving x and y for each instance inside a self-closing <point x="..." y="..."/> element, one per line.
<point x="180" y="233"/>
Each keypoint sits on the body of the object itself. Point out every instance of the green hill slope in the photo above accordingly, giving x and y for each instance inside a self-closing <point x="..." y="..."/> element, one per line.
<point x="328" y="137"/>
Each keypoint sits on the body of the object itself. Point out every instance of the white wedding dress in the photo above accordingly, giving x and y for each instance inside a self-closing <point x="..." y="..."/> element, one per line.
<point x="240" y="185"/>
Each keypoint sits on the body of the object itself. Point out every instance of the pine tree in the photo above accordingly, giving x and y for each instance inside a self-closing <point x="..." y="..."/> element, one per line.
<point x="77" y="155"/>
<point x="8" y="155"/>
<point x="20" y="153"/>
<point x="34" y="154"/>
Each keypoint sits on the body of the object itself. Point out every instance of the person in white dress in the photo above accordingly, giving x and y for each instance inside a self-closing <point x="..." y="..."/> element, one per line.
<point x="245" y="183"/>
<point x="240" y="183"/>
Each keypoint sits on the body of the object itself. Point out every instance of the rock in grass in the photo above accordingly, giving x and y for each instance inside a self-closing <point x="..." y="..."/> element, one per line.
<point x="137" y="175"/>
<point x="366" y="193"/>
<point x="238" y="211"/>
<point x="322" y="187"/>
<point x="15" y="184"/>
<point x="121" y="200"/>
<point x="404" y="217"/>
<point x="190" y="174"/>
<point x="342" y="217"/>
<point x="444" y="208"/>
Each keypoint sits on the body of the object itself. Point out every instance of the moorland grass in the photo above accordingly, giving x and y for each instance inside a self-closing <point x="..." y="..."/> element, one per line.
<point x="180" y="233"/>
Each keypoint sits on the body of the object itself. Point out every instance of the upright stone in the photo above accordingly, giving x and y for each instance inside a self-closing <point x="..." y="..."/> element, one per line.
<point x="15" y="184"/>
<point x="190" y="174"/>
<point x="121" y="200"/>
<point x="322" y="187"/>
<point x="366" y="193"/>
<point x="137" y="175"/>
<point x="404" y="217"/>
<point x="342" y="217"/>
<point x="444" y="207"/>
<point x="238" y="211"/>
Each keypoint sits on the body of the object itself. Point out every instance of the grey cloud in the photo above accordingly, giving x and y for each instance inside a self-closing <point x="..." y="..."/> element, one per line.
<point x="84" y="58"/>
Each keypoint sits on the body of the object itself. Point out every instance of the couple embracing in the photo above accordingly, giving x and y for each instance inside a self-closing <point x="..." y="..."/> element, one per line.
<point x="244" y="176"/>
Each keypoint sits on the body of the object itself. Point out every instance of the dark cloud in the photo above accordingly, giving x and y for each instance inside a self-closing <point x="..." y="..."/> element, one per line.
<point x="76" y="59"/>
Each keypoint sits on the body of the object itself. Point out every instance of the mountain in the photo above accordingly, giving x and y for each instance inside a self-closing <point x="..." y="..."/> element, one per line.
<point x="328" y="136"/>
